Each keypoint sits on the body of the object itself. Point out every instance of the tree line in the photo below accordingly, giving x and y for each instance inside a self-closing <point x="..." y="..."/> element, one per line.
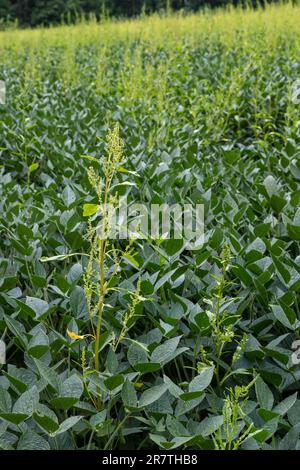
<point x="37" y="12"/>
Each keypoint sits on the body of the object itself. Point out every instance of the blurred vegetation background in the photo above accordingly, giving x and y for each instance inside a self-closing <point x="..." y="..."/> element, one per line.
<point x="46" y="12"/>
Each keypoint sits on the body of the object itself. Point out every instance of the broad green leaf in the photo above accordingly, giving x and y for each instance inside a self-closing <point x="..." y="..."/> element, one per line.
<point x="30" y="440"/>
<point x="45" y="422"/>
<point x="38" y="345"/>
<point x="175" y="427"/>
<point x="72" y="387"/>
<point x="5" y="401"/>
<point x="137" y="354"/>
<point x="15" y="418"/>
<point x="284" y="406"/>
<point x="90" y="209"/>
<point x="271" y="185"/>
<point x="27" y="402"/>
<point x="113" y="382"/>
<point x="39" y="306"/>
<point x="145" y="367"/>
<point x="33" y="167"/>
<point x="68" y="196"/>
<point x="164" y="352"/>
<point x="209" y="425"/>
<point x="48" y="374"/>
<point x="69" y="423"/>
<point x="17" y="329"/>
<point x="199" y="384"/>
<point x="63" y="403"/>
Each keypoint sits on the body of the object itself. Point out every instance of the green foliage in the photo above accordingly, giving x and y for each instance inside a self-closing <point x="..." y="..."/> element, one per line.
<point x="146" y="343"/>
<point x="41" y="12"/>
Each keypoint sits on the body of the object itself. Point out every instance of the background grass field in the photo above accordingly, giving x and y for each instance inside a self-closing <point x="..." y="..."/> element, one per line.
<point x="206" y="110"/>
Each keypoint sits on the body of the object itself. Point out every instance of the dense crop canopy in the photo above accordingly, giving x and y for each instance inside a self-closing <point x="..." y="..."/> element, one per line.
<point x="195" y="348"/>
